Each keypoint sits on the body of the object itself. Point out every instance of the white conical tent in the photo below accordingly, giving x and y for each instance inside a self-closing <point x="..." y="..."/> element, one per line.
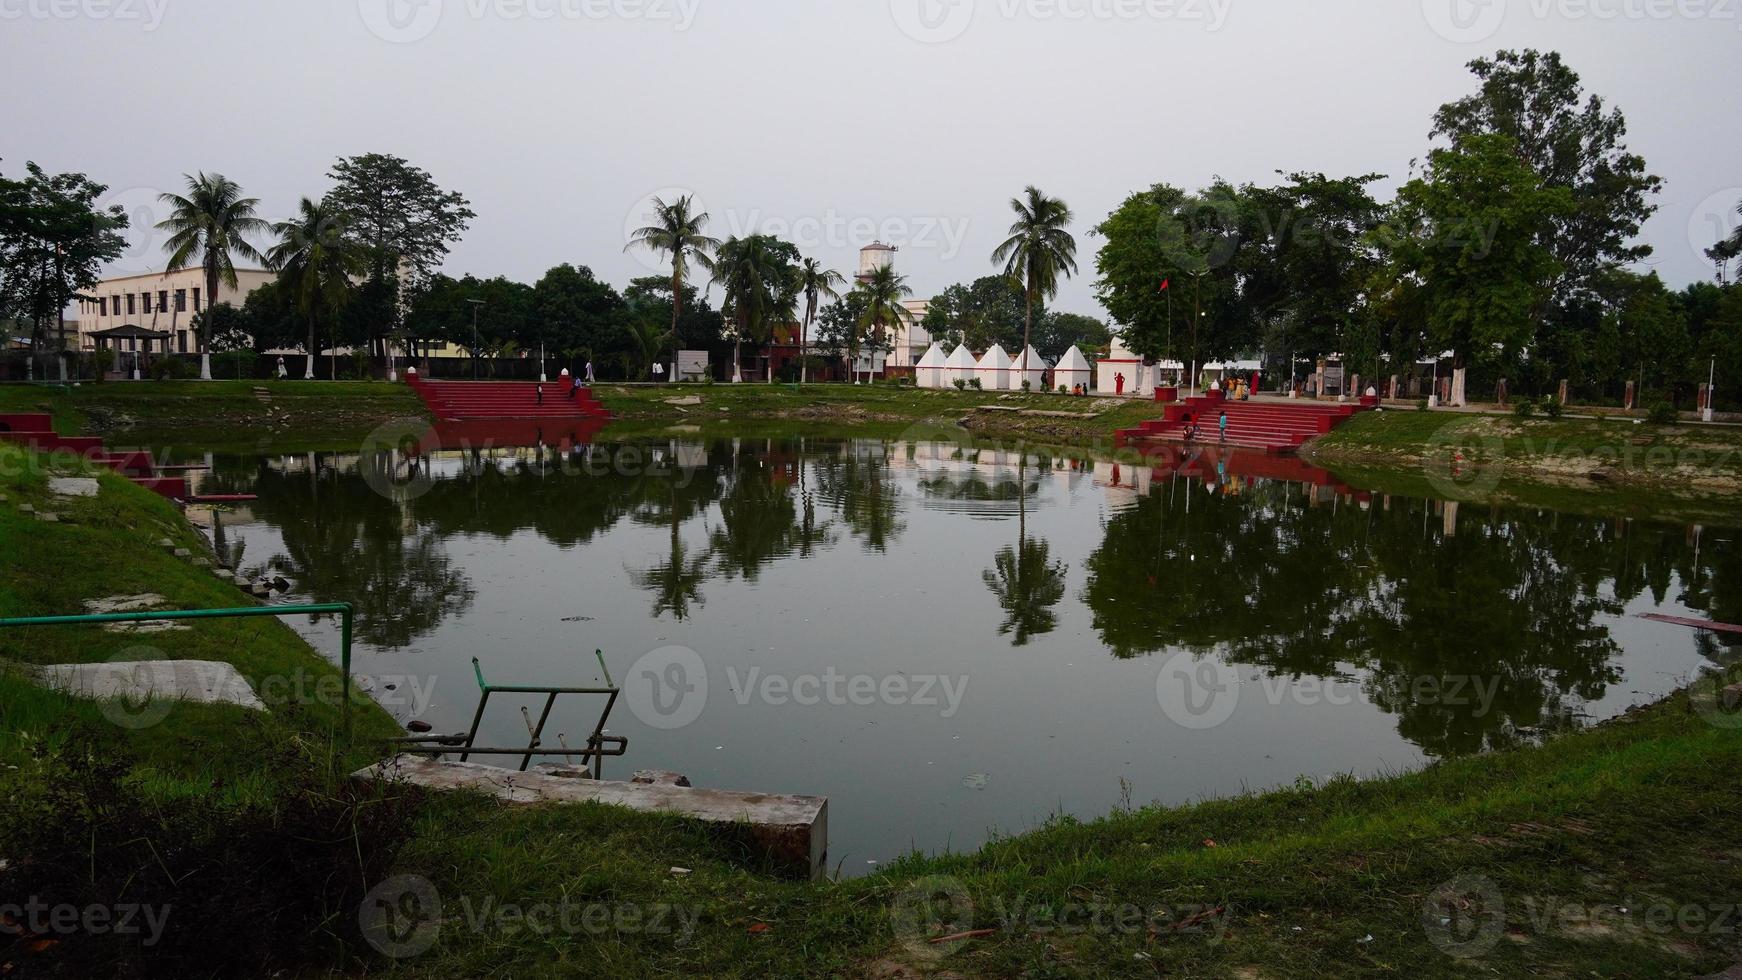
<point x="960" y="366"/>
<point x="994" y="369"/>
<point x="929" y="372"/>
<point x="1036" y="374"/>
<point x="1072" y="370"/>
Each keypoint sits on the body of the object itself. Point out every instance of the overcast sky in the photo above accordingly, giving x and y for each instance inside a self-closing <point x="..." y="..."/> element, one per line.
<point x="827" y="121"/>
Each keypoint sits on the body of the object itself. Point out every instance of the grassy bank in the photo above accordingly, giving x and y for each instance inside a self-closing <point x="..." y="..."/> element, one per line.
<point x="1611" y="852"/>
<point x="1585" y="464"/>
<point x="220" y="416"/>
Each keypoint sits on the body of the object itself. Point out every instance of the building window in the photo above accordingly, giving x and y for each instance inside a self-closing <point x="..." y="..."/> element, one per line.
<point x="145" y="302"/>
<point x="163" y="301"/>
<point x="130" y="303"/>
<point x="181" y="339"/>
<point x="196" y="299"/>
<point x="181" y="301"/>
<point x="103" y="306"/>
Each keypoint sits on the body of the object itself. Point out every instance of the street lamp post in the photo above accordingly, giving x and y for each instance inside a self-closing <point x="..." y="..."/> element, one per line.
<point x="1711" y="387"/>
<point x="475" y="304"/>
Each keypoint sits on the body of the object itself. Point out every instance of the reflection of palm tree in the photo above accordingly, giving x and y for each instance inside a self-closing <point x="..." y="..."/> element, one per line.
<point x="809" y="536"/>
<point x="677" y="581"/>
<point x="1025" y="579"/>
<point x="866" y="496"/>
<point x="757" y="519"/>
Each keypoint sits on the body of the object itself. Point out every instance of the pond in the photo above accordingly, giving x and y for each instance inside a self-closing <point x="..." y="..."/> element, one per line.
<point x="954" y="642"/>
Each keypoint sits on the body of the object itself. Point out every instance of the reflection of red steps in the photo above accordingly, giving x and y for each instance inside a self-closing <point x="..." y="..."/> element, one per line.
<point x="35" y="430"/>
<point x="1212" y="463"/>
<point x="1273" y="427"/>
<point x="474" y="400"/>
<point x="486" y="434"/>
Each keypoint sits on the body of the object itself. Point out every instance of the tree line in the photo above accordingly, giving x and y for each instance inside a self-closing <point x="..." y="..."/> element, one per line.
<point x="1513" y="246"/>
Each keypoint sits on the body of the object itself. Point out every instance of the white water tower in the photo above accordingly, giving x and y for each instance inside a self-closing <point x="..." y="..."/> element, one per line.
<point x="873" y="257"/>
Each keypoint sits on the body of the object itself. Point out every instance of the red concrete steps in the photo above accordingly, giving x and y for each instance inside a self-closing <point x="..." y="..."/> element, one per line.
<point x="487" y="400"/>
<point x="1273" y="427"/>
<point x="35" y="431"/>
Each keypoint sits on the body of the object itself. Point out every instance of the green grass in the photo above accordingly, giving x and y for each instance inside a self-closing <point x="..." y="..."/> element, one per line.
<point x="107" y="546"/>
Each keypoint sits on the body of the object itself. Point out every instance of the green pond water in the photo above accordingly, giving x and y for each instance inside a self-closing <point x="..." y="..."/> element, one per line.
<point x="951" y="642"/>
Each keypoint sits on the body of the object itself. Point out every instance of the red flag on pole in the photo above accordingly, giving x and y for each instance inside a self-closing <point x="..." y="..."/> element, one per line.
<point x="1164" y="283"/>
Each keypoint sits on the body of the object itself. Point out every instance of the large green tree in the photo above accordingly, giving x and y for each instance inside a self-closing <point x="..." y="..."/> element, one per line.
<point x="815" y="283"/>
<point x="757" y="273"/>
<point x="883" y="290"/>
<point x="577" y="314"/>
<point x="54" y="240"/>
<point x="208" y="226"/>
<point x="1572" y="142"/>
<point x="402" y="222"/>
<point x="1039" y="252"/>
<point x="1466" y="233"/>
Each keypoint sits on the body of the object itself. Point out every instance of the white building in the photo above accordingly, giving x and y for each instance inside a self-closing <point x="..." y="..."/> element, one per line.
<point x="993" y="370"/>
<point x="907" y="340"/>
<point x="1072" y="370"/>
<point x="165" y="302"/>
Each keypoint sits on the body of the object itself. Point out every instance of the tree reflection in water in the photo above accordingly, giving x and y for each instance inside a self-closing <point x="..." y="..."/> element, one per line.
<point x="1290" y="580"/>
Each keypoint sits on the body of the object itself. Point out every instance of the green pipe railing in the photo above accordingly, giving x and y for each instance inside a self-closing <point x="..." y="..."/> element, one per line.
<point x="342" y="609"/>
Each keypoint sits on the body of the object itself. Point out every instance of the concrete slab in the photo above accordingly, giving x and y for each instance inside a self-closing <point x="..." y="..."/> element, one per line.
<point x="73" y="486"/>
<point x="196" y="681"/>
<point x="793" y="830"/>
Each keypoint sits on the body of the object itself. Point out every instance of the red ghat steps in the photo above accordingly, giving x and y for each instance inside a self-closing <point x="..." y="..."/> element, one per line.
<point x="35" y="431"/>
<point x="466" y="401"/>
<point x="1273" y="427"/>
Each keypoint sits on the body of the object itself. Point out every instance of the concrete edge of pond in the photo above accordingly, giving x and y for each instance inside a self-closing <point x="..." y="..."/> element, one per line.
<point x="792" y="830"/>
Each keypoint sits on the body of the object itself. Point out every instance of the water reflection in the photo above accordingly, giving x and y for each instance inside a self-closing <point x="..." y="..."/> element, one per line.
<point x="1263" y="562"/>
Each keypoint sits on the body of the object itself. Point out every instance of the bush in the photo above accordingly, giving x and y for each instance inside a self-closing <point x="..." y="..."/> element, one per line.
<point x="1663" y="413"/>
<point x="974" y="383"/>
<point x="246" y="887"/>
<point x="1026" y="386"/>
<point x="1524" y="408"/>
<point x="960" y="384"/>
<point x="1063" y="390"/>
<point x="171" y="369"/>
<point x="1421" y="405"/>
<point x="1552" y="407"/>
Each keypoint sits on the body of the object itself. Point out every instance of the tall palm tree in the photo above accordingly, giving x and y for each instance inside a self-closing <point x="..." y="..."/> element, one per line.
<point x="209" y="224"/>
<point x="677" y="232"/>
<point x="884" y="290"/>
<point x="315" y="262"/>
<point x="814" y="283"/>
<point x="1038" y="251"/>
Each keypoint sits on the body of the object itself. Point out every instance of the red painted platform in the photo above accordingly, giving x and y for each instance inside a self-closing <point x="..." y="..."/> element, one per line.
<point x="1271" y="427"/>
<point x="1699" y="624"/>
<point x="465" y="401"/>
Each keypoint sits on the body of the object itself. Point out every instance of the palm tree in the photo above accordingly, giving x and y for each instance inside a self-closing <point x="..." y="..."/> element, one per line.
<point x="676" y="231"/>
<point x="1037" y="252"/>
<point x="207" y="225"/>
<point x="756" y="273"/>
<point x="883" y="290"/>
<point x="315" y="262"/>
<point x="814" y="283"/>
<point x="649" y="336"/>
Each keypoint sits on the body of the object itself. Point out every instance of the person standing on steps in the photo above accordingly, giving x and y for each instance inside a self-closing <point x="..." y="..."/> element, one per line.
<point x="538" y="392"/>
<point x="1222" y="422"/>
<point x="575" y="387"/>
